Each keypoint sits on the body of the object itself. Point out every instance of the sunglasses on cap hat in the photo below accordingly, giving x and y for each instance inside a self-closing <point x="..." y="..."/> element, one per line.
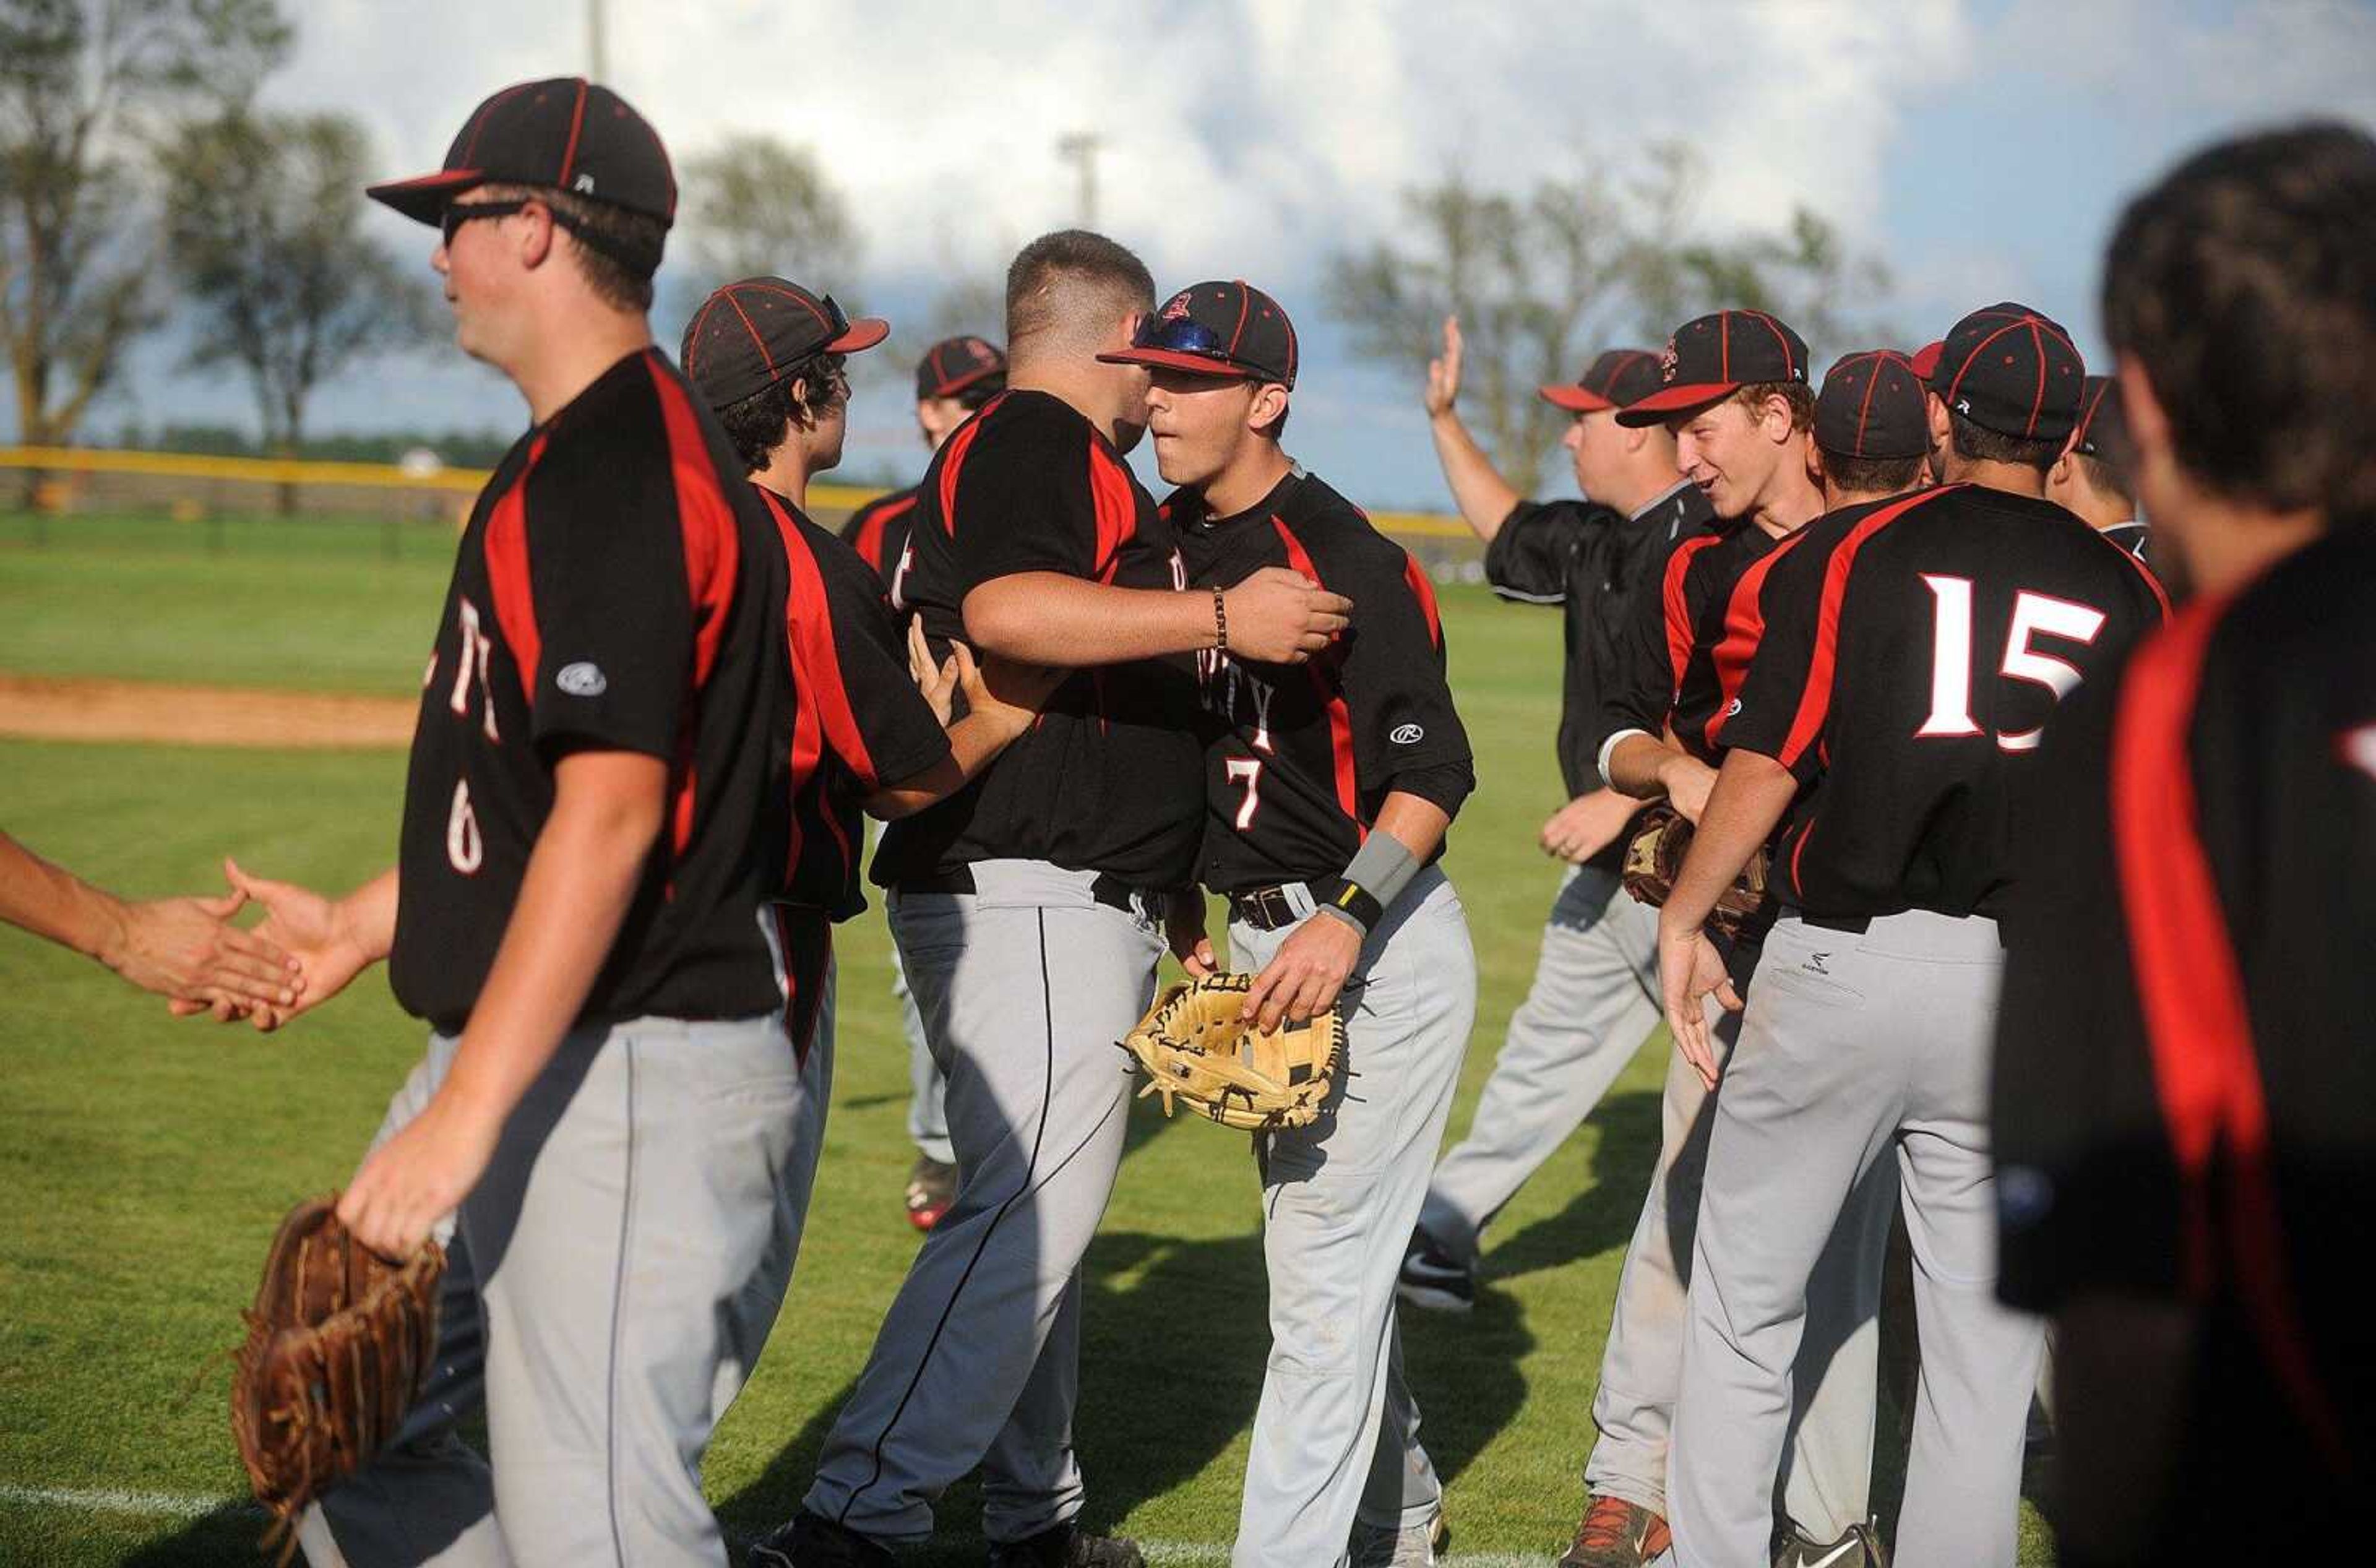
<point x="451" y="217"/>
<point x="1185" y="335"/>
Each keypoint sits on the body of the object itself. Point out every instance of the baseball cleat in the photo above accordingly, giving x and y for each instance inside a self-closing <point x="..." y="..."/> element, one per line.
<point x="1859" y="1548"/>
<point x="932" y="1188"/>
<point x="1066" y="1546"/>
<point x="1616" y="1534"/>
<point x="1433" y="1279"/>
<point x="1375" y="1547"/>
<point x="812" y="1540"/>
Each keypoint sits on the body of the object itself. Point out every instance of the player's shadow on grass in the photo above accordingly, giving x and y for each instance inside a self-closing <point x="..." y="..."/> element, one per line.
<point x="228" y="1534"/>
<point x="1601" y="1217"/>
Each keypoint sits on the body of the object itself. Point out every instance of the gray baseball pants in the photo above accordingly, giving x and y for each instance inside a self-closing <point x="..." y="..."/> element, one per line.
<point x="1335" y="1433"/>
<point x="1826" y="1476"/>
<point x="1856" y="1049"/>
<point x="1594" y="1001"/>
<point x="610" y="1284"/>
<point x="1025" y="985"/>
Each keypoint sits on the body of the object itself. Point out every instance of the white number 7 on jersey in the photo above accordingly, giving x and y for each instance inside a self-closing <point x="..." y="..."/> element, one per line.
<point x="1247" y="771"/>
<point x="1951" y="655"/>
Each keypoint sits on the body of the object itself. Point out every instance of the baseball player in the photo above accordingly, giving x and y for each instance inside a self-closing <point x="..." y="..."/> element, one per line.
<point x="2090" y="480"/>
<point x="592" y="825"/>
<point x="1029" y="909"/>
<point x="1328" y="791"/>
<point x="956" y="377"/>
<point x="1912" y="652"/>
<point x="768" y="355"/>
<point x="185" y="949"/>
<point x="1593" y="1000"/>
<point x="2179" y="1118"/>
<point x="1733" y="388"/>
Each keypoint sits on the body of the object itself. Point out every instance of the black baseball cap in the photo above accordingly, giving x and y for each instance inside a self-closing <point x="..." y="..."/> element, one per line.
<point x="953" y="364"/>
<point x="2009" y="369"/>
<point x="1226" y="328"/>
<point x="1615" y="379"/>
<point x="566" y="134"/>
<point x="1873" y="406"/>
<point x="2103" y="428"/>
<point x="1715" y="356"/>
<point x="746" y="335"/>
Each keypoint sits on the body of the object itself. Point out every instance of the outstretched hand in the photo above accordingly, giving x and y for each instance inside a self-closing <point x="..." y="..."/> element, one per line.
<point x="187" y="949"/>
<point x="307" y="926"/>
<point x="1690" y="971"/>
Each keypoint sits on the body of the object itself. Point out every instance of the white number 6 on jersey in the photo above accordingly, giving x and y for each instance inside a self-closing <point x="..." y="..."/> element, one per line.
<point x="463" y="847"/>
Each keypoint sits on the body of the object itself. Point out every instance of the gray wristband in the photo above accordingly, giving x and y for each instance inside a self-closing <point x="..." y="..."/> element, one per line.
<point x="1373" y="879"/>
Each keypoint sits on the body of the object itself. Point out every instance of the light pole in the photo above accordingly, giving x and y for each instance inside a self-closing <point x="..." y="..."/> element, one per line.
<point x="1080" y="149"/>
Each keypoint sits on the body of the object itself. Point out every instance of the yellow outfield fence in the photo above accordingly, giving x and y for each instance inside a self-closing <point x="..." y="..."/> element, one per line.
<point x="65" y="479"/>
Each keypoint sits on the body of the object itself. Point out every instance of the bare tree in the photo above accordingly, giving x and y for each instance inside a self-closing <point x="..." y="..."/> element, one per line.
<point x="263" y="228"/>
<point x="85" y="86"/>
<point x="1537" y="278"/>
<point x="756" y="204"/>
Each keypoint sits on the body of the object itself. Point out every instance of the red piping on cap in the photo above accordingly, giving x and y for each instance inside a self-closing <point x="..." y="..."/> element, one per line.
<point x="576" y="124"/>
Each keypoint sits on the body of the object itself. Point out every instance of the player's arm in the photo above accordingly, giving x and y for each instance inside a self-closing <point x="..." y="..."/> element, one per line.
<point x="1308" y="972"/>
<point x="333" y="939"/>
<point x="1274" y="616"/>
<point x="1409" y="739"/>
<point x="1001" y="702"/>
<point x="1752" y="792"/>
<point x="1484" y="498"/>
<point x="1640" y="756"/>
<point x="183" y="948"/>
<point x="581" y="877"/>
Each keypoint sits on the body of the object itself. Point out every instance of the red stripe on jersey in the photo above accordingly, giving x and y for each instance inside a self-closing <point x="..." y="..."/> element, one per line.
<point x="1340" y="717"/>
<point x="712" y="560"/>
<point x="1679" y="611"/>
<point x="815" y="661"/>
<point x="1815" y="702"/>
<point x="961" y="441"/>
<point x="507" y="575"/>
<point x="1744" y="628"/>
<point x="868" y="543"/>
<point x="1115" y="507"/>
<point x="1424" y="591"/>
<point x="2190" y="988"/>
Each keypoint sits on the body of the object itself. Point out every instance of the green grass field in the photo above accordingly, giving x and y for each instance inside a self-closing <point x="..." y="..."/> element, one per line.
<point x="144" y="1162"/>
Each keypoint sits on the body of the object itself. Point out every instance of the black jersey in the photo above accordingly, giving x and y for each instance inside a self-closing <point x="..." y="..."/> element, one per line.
<point x="1667" y="674"/>
<point x="1301" y="756"/>
<point x="1594" y="561"/>
<point x="1108" y="777"/>
<point x="2185" y="1098"/>
<point x="1911" y="653"/>
<point x="858" y="721"/>
<point x="878" y="532"/>
<point x="618" y="588"/>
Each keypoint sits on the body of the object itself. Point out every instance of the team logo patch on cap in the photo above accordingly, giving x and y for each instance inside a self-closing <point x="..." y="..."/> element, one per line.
<point x="1666" y="360"/>
<point x="1176" y="307"/>
<point x="582" y="680"/>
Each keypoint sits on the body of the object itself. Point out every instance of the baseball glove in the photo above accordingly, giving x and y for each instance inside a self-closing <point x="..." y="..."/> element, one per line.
<point x="1196" y="1048"/>
<point x="339" y="1345"/>
<point x="1653" y="858"/>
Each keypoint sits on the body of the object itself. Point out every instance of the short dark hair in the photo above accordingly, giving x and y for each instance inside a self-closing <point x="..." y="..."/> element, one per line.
<point x="2104" y="475"/>
<point x="974" y="394"/>
<point x="1797" y="394"/>
<point x="1073" y="256"/>
<point x="604" y="235"/>
<point x="764" y="420"/>
<point x="1871" y="476"/>
<point x="2244" y="283"/>
<point x="1977" y="442"/>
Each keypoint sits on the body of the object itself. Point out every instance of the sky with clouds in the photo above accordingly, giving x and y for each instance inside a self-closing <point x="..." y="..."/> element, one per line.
<point x="1982" y="148"/>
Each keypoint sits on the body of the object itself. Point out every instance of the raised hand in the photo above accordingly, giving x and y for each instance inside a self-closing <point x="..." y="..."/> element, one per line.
<point x="1443" y="372"/>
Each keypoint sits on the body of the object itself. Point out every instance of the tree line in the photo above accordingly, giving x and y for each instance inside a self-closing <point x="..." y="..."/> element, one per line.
<point x="143" y="187"/>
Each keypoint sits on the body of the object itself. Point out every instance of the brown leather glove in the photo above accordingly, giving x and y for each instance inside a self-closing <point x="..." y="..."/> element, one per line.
<point x="1653" y="858"/>
<point x="1196" y="1048"/>
<point x="339" y="1345"/>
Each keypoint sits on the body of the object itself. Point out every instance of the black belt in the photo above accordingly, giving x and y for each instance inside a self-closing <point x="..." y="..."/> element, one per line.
<point x="1855" y="925"/>
<point x="1265" y="908"/>
<point x="1114" y="892"/>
